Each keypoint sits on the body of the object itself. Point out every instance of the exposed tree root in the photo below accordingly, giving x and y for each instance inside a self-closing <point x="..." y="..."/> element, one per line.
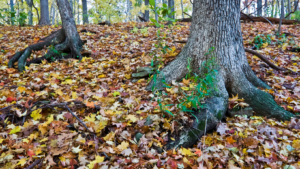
<point x="241" y="82"/>
<point x="61" y="49"/>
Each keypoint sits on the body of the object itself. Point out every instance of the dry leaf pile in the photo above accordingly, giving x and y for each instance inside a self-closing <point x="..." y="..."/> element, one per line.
<point x="121" y="125"/>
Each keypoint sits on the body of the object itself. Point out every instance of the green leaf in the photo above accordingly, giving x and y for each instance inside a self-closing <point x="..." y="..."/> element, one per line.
<point x="152" y="2"/>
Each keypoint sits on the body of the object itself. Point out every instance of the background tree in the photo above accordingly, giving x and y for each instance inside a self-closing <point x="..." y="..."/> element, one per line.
<point x="65" y="40"/>
<point x="84" y="12"/>
<point x="259" y="7"/>
<point x="171" y="5"/>
<point x="218" y="25"/>
<point x="147" y="10"/>
<point x="12" y="10"/>
<point x="30" y="14"/>
<point x="44" y="6"/>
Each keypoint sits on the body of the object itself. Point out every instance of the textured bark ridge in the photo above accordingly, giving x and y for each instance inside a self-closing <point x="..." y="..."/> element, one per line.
<point x="217" y="24"/>
<point x="65" y="40"/>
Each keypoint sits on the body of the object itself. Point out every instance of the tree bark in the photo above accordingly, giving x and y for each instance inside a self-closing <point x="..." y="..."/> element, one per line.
<point x="289" y="9"/>
<point x="218" y="25"/>
<point x="30" y="14"/>
<point x="66" y="39"/>
<point x="44" y="13"/>
<point x="182" y="9"/>
<point x="266" y="8"/>
<point x="84" y="12"/>
<point x="259" y="7"/>
<point x="146" y="17"/>
<point x="78" y="21"/>
<point x="171" y="5"/>
<point x="281" y="17"/>
<point x="12" y="10"/>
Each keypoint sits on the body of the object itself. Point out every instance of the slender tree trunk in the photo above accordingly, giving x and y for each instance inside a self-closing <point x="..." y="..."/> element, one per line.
<point x="217" y="25"/>
<point x="30" y="14"/>
<point x="53" y="14"/>
<point x="281" y="17"/>
<point x="146" y="17"/>
<point x="182" y="9"/>
<point x="259" y="7"/>
<point x="44" y="7"/>
<point x="156" y="14"/>
<point x="246" y="4"/>
<point x="289" y="9"/>
<point x="266" y="8"/>
<point x="129" y="4"/>
<point x="78" y="21"/>
<point x="51" y="11"/>
<point x="84" y="12"/>
<point x="171" y="5"/>
<point x="272" y="10"/>
<point x="12" y="10"/>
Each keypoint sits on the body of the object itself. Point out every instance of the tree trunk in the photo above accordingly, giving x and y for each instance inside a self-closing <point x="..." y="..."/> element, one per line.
<point x="281" y="17"/>
<point x="146" y="17"/>
<point x="272" y="12"/>
<point x="156" y="14"/>
<point x="266" y="8"/>
<point x="218" y="25"/>
<point x="171" y="5"/>
<point x="289" y="9"/>
<point x="259" y="7"/>
<point x="71" y="4"/>
<point x="30" y="14"/>
<point x="128" y="10"/>
<point x="12" y="10"/>
<point x="53" y="14"/>
<point x="182" y="9"/>
<point x="84" y="12"/>
<point x="78" y="21"/>
<point x="44" y="13"/>
<point x="66" y="39"/>
<point x="246" y="5"/>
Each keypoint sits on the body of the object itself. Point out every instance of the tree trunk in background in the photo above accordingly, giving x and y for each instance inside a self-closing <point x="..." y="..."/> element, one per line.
<point x="171" y="5"/>
<point x="217" y="25"/>
<point x="156" y="15"/>
<point x="246" y="4"/>
<point x="272" y="10"/>
<point x="289" y="9"/>
<point x="44" y="7"/>
<point x="281" y="17"/>
<point x="84" y="12"/>
<point x="53" y="14"/>
<point x="296" y="5"/>
<point x="182" y="9"/>
<point x="30" y="14"/>
<point x="146" y="17"/>
<point x="129" y="5"/>
<point x="12" y="10"/>
<point x="78" y="21"/>
<point x="266" y="8"/>
<point x="259" y="7"/>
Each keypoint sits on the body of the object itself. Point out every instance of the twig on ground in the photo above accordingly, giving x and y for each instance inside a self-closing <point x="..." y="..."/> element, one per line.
<point x="34" y="164"/>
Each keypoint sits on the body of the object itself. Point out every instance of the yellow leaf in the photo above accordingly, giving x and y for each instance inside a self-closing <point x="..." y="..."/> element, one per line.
<point x="38" y="151"/>
<point x="74" y="95"/>
<point x="109" y="137"/>
<point x="1" y="35"/>
<point x="25" y="140"/>
<point x="90" y="118"/>
<point x="101" y="76"/>
<point x="185" y="88"/>
<point x="50" y="119"/>
<point x="67" y="81"/>
<point x="22" y="162"/>
<point x="59" y="92"/>
<point x="44" y="139"/>
<point x="132" y="118"/>
<point x="15" y="130"/>
<point x="186" y="152"/>
<point x="98" y="159"/>
<point x="123" y="146"/>
<point x="265" y="45"/>
<point x="21" y="89"/>
<point x="1" y="140"/>
<point x="36" y="114"/>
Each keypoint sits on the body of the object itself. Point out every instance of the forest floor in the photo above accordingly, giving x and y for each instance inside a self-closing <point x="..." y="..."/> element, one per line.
<point x="125" y="123"/>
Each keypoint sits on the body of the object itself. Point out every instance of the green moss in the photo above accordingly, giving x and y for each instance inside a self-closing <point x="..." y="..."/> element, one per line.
<point x="219" y="115"/>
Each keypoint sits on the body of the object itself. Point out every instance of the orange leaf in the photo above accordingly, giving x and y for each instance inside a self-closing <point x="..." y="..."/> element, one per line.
<point x="230" y="140"/>
<point x="30" y="153"/>
<point x="91" y="104"/>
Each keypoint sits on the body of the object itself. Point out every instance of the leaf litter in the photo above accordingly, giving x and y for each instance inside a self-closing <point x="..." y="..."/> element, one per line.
<point x="123" y="125"/>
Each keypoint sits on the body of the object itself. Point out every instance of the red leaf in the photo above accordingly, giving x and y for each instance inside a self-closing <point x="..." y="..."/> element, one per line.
<point x="30" y="153"/>
<point x="11" y="99"/>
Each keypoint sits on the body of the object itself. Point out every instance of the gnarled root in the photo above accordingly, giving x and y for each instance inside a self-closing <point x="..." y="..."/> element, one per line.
<point x="241" y="81"/>
<point x="61" y="44"/>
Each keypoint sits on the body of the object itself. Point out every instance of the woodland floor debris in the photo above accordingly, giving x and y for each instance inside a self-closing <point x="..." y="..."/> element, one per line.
<point x="35" y="123"/>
